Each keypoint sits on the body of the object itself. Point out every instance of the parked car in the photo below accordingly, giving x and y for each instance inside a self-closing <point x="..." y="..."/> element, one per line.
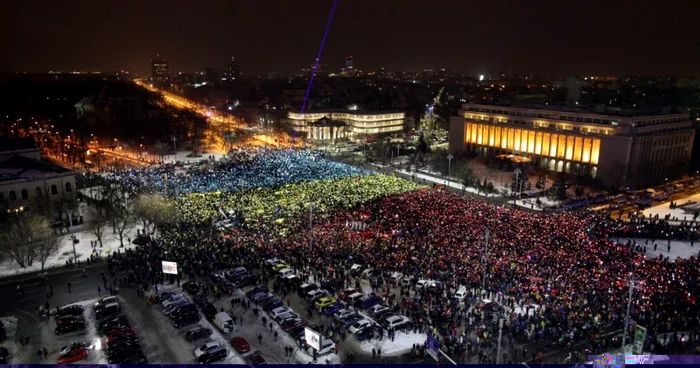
<point x="174" y="299"/>
<point x="371" y="300"/>
<point x="186" y="319"/>
<point x="163" y="296"/>
<point x="316" y="294"/>
<point x="105" y="300"/>
<point x="72" y="356"/>
<point x="348" y="322"/>
<point x="108" y="310"/>
<point x="70" y="326"/>
<point x="113" y="323"/>
<point x="67" y="319"/>
<point x="341" y="314"/>
<point x="175" y="305"/>
<point x="137" y="357"/>
<point x="305" y="288"/>
<point x="289" y="324"/>
<point x="324" y="302"/>
<point x="120" y="332"/>
<point x="375" y="309"/>
<point x="256" y="359"/>
<point x="191" y="287"/>
<point x="207" y="347"/>
<point x="280" y="319"/>
<point x="256" y="290"/>
<point x="187" y="308"/>
<point x="246" y="280"/>
<point x="359" y="325"/>
<point x="346" y="293"/>
<point x="209" y="311"/>
<point x="240" y="345"/>
<point x="197" y="333"/>
<point x="122" y="339"/>
<point x="70" y="310"/>
<point x="331" y="309"/>
<point x="214" y="355"/>
<point x="280" y="310"/>
<point x="125" y="355"/>
<point x="261" y="297"/>
<point x="76" y="345"/>
<point x="365" y="334"/>
<point x="395" y="321"/>
<point x="271" y="304"/>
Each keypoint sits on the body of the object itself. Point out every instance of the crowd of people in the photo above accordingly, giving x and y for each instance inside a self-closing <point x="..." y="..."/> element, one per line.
<point x="251" y="168"/>
<point x="562" y="266"/>
<point x="280" y="208"/>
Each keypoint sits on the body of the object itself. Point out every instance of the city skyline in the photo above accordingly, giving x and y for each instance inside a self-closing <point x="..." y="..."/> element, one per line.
<point x="595" y="38"/>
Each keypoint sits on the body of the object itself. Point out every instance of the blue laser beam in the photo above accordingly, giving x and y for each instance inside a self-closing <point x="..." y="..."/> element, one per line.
<point x="318" y="59"/>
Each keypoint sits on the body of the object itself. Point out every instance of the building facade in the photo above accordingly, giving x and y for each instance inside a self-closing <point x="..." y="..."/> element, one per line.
<point x="26" y="182"/>
<point x="357" y="124"/>
<point x="639" y="150"/>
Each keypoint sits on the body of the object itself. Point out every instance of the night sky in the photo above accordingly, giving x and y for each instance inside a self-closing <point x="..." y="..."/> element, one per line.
<point x="559" y="37"/>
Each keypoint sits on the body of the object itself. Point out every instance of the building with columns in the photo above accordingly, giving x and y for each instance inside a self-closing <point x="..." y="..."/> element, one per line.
<point x="645" y="150"/>
<point x="331" y="126"/>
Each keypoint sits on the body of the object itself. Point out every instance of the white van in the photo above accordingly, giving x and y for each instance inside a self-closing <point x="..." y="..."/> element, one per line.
<point x="224" y="322"/>
<point x="396" y="277"/>
<point x="368" y="273"/>
<point x="285" y="272"/>
<point x="354" y="297"/>
<point x="421" y="284"/>
<point x="460" y="294"/>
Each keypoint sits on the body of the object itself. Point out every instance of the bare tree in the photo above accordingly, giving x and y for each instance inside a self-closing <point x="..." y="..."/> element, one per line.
<point x="98" y="223"/>
<point x="617" y="175"/>
<point x="466" y="175"/>
<point x="142" y="210"/>
<point x="22" y="237"/>
<point x="124" y="222"/>
<point x="47" y="246"/>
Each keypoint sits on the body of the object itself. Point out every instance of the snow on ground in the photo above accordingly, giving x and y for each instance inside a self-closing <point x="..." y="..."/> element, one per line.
<point x="92" y="192"/>
<point x="54" y="343"/>
<point x="450" y="183"/>
<point x="680" y="214"/>
<point x="303" y="357"/>
<point x="679" y="249"/>
<point x="110" y="243"/>
<point x="182" y="157"/>
<point x="271" y="350"/>
<point x="402" y="344"/>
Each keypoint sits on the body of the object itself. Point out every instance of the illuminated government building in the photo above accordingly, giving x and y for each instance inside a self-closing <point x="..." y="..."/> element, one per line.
<point x="648" y="148"/>
<point x="330" y="127"/>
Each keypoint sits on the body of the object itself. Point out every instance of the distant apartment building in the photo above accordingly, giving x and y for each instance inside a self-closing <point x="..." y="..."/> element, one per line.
<point x="160" y="71"/>
<point x="643" y="149"/>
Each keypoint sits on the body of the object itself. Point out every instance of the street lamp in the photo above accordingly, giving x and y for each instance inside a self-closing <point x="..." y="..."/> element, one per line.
<point x="486" y="260"/>
<point x="629" y="306"/>
<point x="517" y="176"/>
<point x="311" y="223"/>
<point x="500" y="333"/>
<point x="449" y="164"/>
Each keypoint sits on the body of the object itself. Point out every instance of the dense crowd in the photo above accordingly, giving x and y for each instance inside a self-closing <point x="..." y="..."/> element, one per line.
<point x="563" y="266"/>
<point x="282" y="207"/>
<point x="245" y="169"/>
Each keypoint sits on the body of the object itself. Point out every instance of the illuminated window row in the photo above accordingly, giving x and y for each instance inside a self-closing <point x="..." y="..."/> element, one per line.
<point x="563" y="146"/>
